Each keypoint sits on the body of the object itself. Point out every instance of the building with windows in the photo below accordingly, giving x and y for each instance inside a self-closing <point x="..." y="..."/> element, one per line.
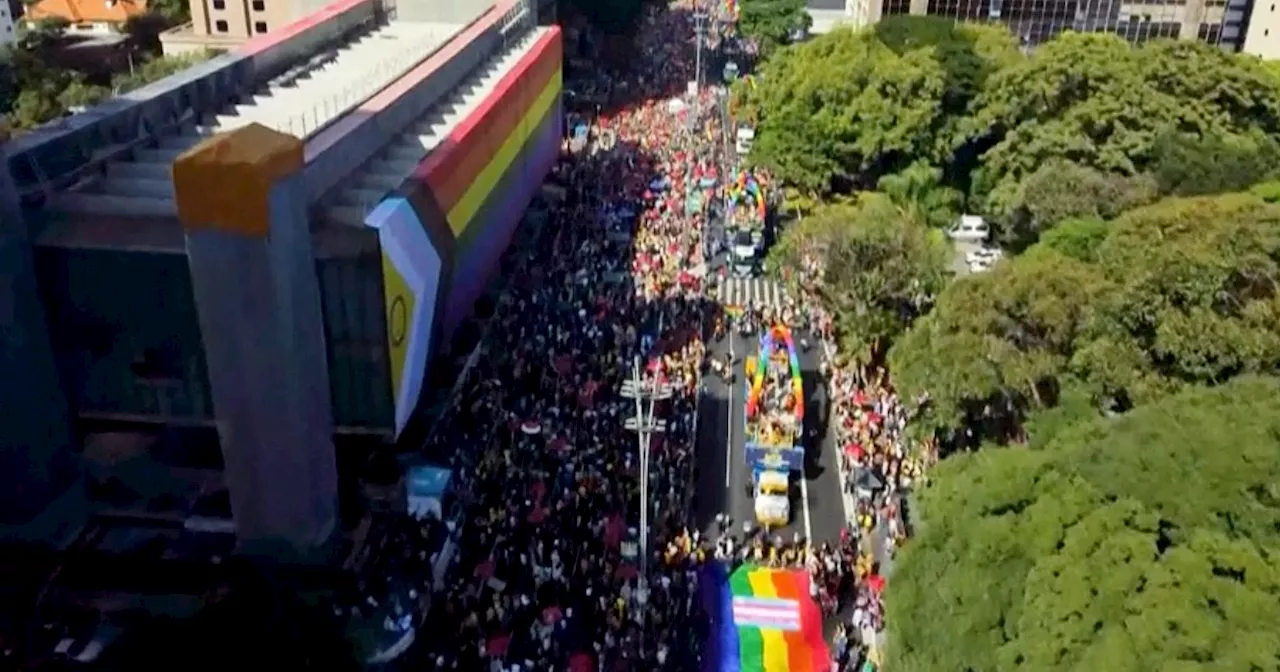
<point x="1232" y="24"/>
<point x="225" y="24"/>
<point x="1263" y="35"/>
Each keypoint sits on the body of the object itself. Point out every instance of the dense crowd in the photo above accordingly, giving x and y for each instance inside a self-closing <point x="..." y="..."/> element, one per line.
<point x="615" y="286"/>
<point x="879" y="464"/>
<point x="548" y="577"/>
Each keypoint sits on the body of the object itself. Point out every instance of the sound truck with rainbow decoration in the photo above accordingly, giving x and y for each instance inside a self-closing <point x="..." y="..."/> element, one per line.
<point x="747" y="212"/>
<point x="774" y="419"/>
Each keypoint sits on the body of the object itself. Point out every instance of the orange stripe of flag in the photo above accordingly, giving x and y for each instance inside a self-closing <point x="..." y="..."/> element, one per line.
<point x="789" y="586"/>
<point x="477" y="138"/>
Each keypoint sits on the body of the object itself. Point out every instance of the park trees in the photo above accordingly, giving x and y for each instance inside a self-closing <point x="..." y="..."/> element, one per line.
<point x="1097" y="101"/>
<point x="845" y="109"/>
<point x="1087" y="125"/>
<point x="1148" y="541"/>
<point x="772" y="23"/>
<point x="842" y="110"/>
<point x="1182" y="292"/>
<point x="881" y="267"/>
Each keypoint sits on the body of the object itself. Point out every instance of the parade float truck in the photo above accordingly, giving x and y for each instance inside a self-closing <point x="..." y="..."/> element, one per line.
<point x="774" y="418"/>
<point x="746" y="212"/>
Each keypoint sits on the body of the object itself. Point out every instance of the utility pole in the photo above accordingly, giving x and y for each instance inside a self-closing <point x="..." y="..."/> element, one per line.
<point x="644" y="425"/>
<point x="699" y="31"/>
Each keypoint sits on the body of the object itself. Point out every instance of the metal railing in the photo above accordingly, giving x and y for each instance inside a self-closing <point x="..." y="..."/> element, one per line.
<point x="323" y="112"/>
<point x="519" y="15"/>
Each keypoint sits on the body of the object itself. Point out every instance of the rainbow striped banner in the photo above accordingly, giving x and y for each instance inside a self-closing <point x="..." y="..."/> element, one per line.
<point x="775" y="625"/>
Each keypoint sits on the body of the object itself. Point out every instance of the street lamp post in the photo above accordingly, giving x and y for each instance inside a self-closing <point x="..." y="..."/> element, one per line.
<point x="644" y="425"/>
<point x="699" y="31"/>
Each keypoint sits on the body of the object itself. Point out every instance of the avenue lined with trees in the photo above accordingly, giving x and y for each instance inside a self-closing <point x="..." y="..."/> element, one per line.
<point x="1106" y="398"/>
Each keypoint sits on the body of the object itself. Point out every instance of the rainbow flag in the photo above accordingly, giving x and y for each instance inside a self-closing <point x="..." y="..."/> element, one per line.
<point x="773" y="624"/>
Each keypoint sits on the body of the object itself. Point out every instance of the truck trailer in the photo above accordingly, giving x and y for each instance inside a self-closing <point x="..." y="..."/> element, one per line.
<point x="774" y="425"/>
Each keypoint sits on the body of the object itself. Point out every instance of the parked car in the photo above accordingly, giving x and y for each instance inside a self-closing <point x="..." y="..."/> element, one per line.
<point x="969" y="229"/>
<point x="983" y="259"/>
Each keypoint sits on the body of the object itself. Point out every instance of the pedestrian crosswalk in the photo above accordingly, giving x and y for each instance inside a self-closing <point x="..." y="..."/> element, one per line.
<point x="752" y="292"/>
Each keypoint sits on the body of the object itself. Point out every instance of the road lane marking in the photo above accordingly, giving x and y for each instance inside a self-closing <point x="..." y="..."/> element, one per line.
<point x="804" y="502"/>
<point x="728" y="426"/>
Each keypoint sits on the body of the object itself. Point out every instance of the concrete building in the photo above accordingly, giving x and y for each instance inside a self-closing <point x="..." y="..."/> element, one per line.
<point x="269" y="248"/>
<point x="1263" y="35"/>
<point x="225" y="24"/>
<point x="1219" y="22"/>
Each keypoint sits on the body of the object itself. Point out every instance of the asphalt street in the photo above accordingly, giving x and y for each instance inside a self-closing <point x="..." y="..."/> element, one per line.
<point x="723" y="475"/>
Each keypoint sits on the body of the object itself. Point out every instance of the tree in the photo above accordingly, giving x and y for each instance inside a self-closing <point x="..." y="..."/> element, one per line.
<point x="772" y="23"/>
<point x="1186" y="165"/>
<point x="880" y="269"/>
<point x="1061" y="190"/>
<point x="1194" y="297"/>
<point x="996" y="346"/>
<point x="1147" y="542"/>
<point x="919" y="190"/>
<point x="1097" y="101"/>
<point x="1077" y="238"/>
<point x="843" y="109"/>
<point x="156" y="69"/>
<point x="1182" y="292"/>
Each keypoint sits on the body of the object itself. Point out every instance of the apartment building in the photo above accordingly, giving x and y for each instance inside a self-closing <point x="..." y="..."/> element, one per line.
<point x="225" y="24"/>
<point x="1235" y="25"/>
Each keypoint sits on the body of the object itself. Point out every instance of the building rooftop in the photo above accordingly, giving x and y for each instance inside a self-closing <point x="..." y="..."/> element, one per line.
<point x="86" y="11"/>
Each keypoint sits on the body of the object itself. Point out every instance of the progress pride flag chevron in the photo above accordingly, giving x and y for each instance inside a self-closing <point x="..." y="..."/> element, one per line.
<point x="764" y="612"/>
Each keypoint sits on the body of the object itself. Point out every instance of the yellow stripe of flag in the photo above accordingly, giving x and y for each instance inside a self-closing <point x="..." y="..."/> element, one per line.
<point x="775" y="646"/>
<point x="470" y="203"/>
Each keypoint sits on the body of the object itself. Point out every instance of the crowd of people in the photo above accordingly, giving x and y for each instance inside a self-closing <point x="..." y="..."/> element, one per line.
<point x="615" y="285"/>
<point x="549" y="573"/>
<point x="879" y="464"/>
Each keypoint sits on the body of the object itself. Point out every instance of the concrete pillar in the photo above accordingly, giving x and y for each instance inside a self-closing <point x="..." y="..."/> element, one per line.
<point x="1192" y="16"/>
<point x="242" y="202"/>
<point x="36" y="461"/>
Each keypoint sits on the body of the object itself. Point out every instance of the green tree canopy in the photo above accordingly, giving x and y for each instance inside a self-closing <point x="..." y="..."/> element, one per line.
<point x="846" y="108"/>
<point x="995" y="346"/>
<point x="843" y="109"/>
<point x="1194" y="297"/>
<point x="1178" y="293"/>
<point x="1145" y="542"/>
<point x="771" y="23"/>
<point x="1061" y="190"/>
<point x="881" y="268"/>
<point x="1097" y="101"/>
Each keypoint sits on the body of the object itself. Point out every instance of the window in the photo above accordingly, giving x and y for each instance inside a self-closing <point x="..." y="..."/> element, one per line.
<point x="259" y="5"/>
<point x="220" y="26"/>
<point x="219" y="5"/>
<point x="260" y="26"/>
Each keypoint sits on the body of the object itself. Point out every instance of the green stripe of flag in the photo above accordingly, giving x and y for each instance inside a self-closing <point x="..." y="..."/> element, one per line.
<point x="750" y="641"/>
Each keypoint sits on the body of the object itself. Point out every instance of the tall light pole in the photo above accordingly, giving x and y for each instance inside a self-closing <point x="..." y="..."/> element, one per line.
<point x="644" y="425"/>
<point x="699" y="31"/>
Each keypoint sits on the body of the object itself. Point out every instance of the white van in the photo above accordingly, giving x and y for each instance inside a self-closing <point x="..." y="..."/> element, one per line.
<point x="969" y="229"/>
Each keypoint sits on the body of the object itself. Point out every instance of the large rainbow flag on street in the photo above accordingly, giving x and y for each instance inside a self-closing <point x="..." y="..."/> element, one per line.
<point x="767" y="622"/>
